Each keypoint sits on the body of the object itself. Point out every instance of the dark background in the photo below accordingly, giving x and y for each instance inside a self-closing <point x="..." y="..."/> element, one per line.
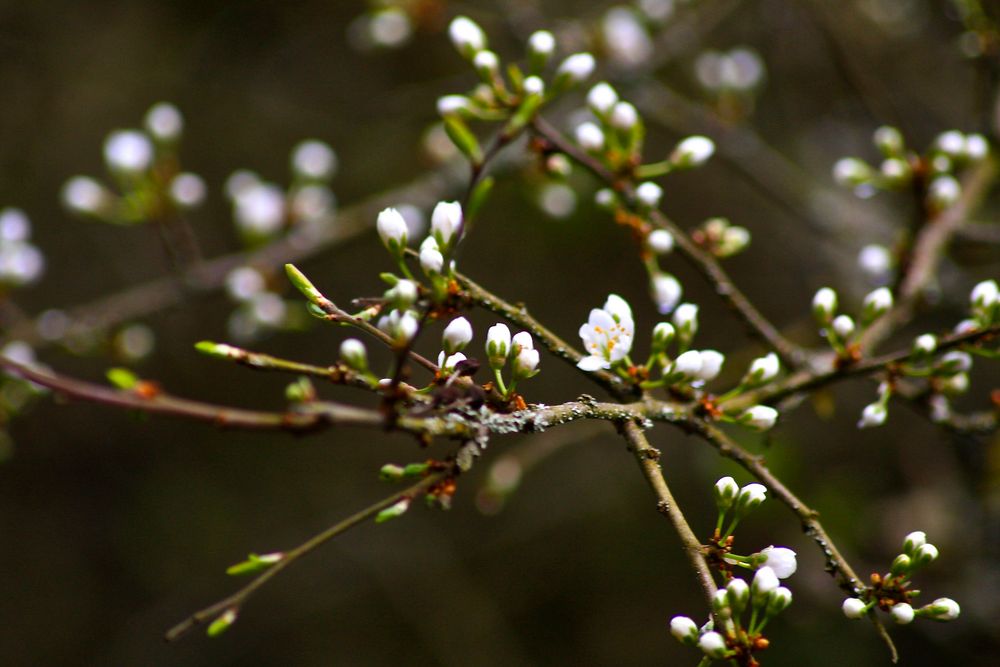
<point x="112" y="527"/>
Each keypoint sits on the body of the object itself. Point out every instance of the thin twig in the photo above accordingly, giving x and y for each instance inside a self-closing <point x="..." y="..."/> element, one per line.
<point x="237" y="599"/>
<point x="648" y="459"/>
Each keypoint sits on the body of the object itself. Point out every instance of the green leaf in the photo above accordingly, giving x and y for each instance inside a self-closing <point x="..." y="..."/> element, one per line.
<point x="464" y="139"/>
<point x="122" y="378"/>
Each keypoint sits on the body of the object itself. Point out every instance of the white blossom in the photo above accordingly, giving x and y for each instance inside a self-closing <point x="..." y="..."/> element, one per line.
<point x="392" y="228"/>
<point x="843" y="326"/>
<point x="456" y="335"/>
<point x="525" y="364"/>
<point x="85" y="195"/>
<point x="188" y="190"/>
<point x="942" y="609"/>
<point x="498" y="344"/>
<point x="542" y="42"/>
<point x="780" y="559"/>
<point x="576" y="67"/>
<point x="688" y="364"/>
<point x="760" y="417"/>
<point x="660" y="241"/>
<point x="164" y="122"/>
<point x="914" y="541"/>
<point x="825" y="304"/>
<point x="601" y="98"/>
<point x="874" y="414"/>
<point x="624" y="116"/>
<point x="128" y="151"/>
<point x="590" y="137"/>
<point x="521" y="341"/>
<point x="984" y="295"/>
<point x="446" y="222"/>
<point x="431" y="259"/>
<point x="260" y="209"/>
<point x="452" y="104"/>
<point x="976" y="147"/>
<point x="955" y="361"/>
<point x="925" y="344"/>
<point x="447" y="363"/>
<point x="713" y="644"/>
<point x="534" y="85"/>
<point x="726" y="491"/>
<point x="686" y="318"/>
<point x="467" y="36"/>
<point x="854" y="608"/>
<point x="944" y="191"/>
<point x="314" y="159"/>
<point x="649" y="194"/>
<point x="607" y="336"/>
<point x="851" y="171"/>
<point x="684" y="629"/>
<point x="487" y="63"/>
<point x="951" y="143"/>
<point x="902" y="613"/>
<point x="711" y="365"/>
<point x="764" y="581"/>
<point x="692" y="152"/>
<point x="353" y="352"/>
<point x="877" y="303"/>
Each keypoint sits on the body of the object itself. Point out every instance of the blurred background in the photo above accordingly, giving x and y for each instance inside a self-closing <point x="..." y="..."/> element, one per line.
<point x="115" y="526"/>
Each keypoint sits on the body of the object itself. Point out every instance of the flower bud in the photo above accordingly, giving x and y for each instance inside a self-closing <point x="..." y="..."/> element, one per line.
<point x="498" y="345"/>
<point x="525" y="364"/>
<point x="602" y="98"/>
<point x="889" y="140"/>
<point x="687" y="365"/>
<point x="605" y="197"/>
<point x="953" y="362"/>
<point x="843" y="326"/>
<point x="448" y="364"/>
<point x="431" y="259"/>
<point x="874" y="414"/>
<point x="944" y="191"/>
<point x="901" y="565"/>
<point x="851" y="172"/>
<point x="624" y="116"/>
<point x="590" y="137"/>
<point x="649" y="194"/>
<point x="663" y="335"/>
<point x="764" y="581"/>
<point x="692" y="152"/>
<point x="942" y="609"/>
<point x="925" y="554"/>
<point x="763" y="369"/>
<point x="403" y="294"/>
<point x="976" y="147"/>
<point x="750" y="497"/>
<point x="82" y="194"/>
<point x="684" y="629"/>
<point x="352" y="353"/>
<point x="924" y="345"/>
<point x="446" y="222"/>
<point x="164" y="122"/>
<point x="902" y="613"/>
<point x="779" y="600"/>
<point x="456" y="335"/>
<point x="914" y="541"/>
<point x="667" y="292"/>
<point x="726" y="491"/>
<point x="392" y="229"/>
<point x="454" y="104"/>
<point x="876" y="304"/>
<point x="737" y="595"/>
<point x="487" y="64"/>
<point x="734" y="240"/>
<point x="780" y="559"/>
<point x="711" y="365"/>
<point x="951" y="143"/>
<point x="393" y="511"/>
<point x="760" y="417"/>
<point x="314" y="159"/>
<point x="467" y="36"/>
<point x="521" y="341"/>
<point x="534" y="85"/>
<point x="660" y="241"/>
<point x="875" y="260"/>
<point x="713" y="645"/>
<point x="984" y="300"/>
<point x="854" y="608"/>
<point x="824" y="305"/>
<point x="574" y="70"/>
<point x="686" y="320"/>
<point x="541" y="46"/>
<point x="187" y="190"/>
<point x="128" y="151"/>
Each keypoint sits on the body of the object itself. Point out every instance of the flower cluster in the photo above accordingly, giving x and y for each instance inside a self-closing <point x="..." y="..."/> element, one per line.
<point x="21" y="262"/>
<point x="518" y="349"/>
<point x="841" y="331"/>
<point x="892" y="592"/>
<point x="263" y="210"/>
<point x="932" y="173"/>
<point x="727" y="635"/>
<point x="144" y="166"/>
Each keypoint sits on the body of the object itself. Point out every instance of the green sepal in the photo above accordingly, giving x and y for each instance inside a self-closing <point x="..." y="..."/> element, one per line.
<point x="464" y="139"/>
